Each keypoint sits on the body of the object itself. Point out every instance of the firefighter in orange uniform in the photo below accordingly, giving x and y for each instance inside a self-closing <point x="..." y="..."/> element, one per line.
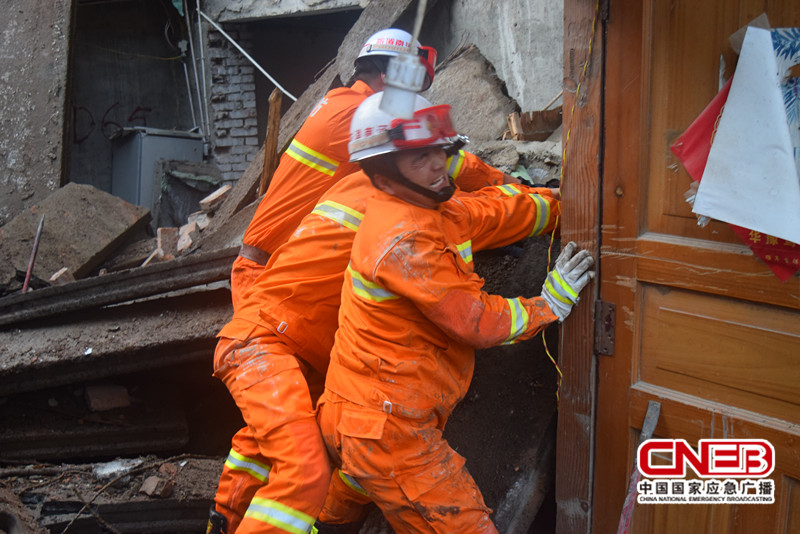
<point x="317" y="157"/>
<point x="412" y="312"/>
<point x="277" y="347"/>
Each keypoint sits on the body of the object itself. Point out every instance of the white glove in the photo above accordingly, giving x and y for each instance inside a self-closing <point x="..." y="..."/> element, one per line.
<point x="570" y="276"/>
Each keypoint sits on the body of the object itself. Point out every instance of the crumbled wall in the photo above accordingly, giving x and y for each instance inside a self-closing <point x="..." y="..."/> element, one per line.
<point x="522" y="39"/>
<point x="232" y="102"/>
<point x="33" y="86"/>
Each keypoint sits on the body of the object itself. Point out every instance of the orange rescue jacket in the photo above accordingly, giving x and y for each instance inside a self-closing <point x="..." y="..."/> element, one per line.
<point x="298" y="293"/>
<point x="413" y="310"/>
<point x="316" y="159"/>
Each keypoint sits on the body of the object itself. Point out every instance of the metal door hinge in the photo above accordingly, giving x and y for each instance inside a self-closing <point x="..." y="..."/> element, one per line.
<point x="605" y="314"/>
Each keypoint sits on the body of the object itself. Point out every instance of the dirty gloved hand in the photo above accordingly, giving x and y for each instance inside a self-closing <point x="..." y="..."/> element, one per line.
<point x="570" y="275"/>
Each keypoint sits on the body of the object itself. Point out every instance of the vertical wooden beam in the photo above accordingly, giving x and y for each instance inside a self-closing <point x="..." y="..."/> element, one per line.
<point x="271" y="141"/>
<point x="626" y="148"/>
<point x="580" y="188"/>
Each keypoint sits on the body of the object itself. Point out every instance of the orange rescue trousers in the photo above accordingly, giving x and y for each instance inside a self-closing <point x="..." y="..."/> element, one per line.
<point x="420" y="484"/>
<point x="277" y="474"/>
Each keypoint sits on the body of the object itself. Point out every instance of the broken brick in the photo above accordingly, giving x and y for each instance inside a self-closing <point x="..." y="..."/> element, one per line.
<point x="155" y="486"/>
<point x="167" y="241"/>
<point x="102" y="398"/>
<point x="201" y="218"/>
<point x="212" y="201"/>
<point x="189" y="233"/>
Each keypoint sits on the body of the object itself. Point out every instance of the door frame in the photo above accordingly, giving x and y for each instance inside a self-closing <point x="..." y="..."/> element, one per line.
<point x="584" y="43"/>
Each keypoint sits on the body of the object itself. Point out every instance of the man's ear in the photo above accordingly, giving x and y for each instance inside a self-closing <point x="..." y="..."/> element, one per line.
<point x="384" y="184"/>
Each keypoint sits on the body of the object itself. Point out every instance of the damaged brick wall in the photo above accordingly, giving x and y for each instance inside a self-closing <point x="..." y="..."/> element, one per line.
<point x="232" y="102"/>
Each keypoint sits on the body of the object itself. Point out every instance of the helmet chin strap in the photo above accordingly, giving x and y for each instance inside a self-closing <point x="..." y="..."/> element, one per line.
<point x="440" y="196"/>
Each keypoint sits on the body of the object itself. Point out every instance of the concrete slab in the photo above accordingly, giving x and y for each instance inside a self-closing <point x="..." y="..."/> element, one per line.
<point x="111" y="341"/>
<point x="83" y="226"/>
<point x="244" y="10"/>
<point x="468" y="83"/>
<point x="56" y="505"/>
<point x="523" y="39"/>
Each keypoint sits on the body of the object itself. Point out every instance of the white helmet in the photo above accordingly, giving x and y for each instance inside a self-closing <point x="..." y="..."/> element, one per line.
<point x="392" y="42"/>
<point x="373" y="131"/>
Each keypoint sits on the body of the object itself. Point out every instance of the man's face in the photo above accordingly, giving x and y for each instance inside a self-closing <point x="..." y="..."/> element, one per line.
<point x="426" y="167"/>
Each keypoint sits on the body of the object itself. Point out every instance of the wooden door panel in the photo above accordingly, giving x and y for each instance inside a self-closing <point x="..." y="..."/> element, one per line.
<point x="790" y="505"/>
<point x="686" y="39"/>
<point x="737" y="353"/>
<point x="691" y="418"/>
<point x="686" y="519"/>
<point x="702" y="325"/>
<point x="725" y="269"/>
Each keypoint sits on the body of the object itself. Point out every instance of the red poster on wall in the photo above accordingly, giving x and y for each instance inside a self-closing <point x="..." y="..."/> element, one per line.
<point x="692" y="149"/>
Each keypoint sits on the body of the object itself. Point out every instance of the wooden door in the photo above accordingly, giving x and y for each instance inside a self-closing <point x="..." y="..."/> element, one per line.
<point x="702" y="326"/>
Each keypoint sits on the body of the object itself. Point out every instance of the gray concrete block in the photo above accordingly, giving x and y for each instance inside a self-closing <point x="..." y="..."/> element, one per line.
<point x="468" y="83"/>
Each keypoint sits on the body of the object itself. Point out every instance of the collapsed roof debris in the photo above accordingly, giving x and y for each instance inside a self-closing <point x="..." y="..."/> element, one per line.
<point x="83" y="227"/>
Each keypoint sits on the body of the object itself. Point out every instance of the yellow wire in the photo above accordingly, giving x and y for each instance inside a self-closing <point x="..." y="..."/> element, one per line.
<point x="561" y="180"/>
<point x="121" y="53"/>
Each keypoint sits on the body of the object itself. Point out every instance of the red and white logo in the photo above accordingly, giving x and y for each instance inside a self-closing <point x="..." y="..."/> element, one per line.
<point x="732" y="458"/>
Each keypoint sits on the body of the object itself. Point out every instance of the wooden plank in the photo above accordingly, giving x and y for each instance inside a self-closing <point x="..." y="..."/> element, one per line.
<point x="717" y="268"/>
<point x="117" y="287"/>
<point x="691" y="418"/>
<point x="534" y="125"/>
<point x="625" y="149"/>
<point x="271" y="141"/>
<point x="580" y="187"/>
<point x="714" y="348"/>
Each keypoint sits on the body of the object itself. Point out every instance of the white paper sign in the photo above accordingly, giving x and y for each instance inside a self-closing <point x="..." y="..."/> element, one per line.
<point x="752" y="177"/>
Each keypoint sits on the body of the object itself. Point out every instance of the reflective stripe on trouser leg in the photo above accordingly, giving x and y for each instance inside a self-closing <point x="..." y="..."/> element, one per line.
<point x="280" y="516"/>
<point x="285" y="430"/>
<point x="251" y="466"/>
<point x="238" y="486"/>
<point x="412" y="474"/>
<point x="345" y="504"/>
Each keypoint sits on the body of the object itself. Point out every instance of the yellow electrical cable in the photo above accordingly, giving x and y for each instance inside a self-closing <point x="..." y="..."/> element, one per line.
<point x="133" y="54"/>
<point x="561" y="180"/>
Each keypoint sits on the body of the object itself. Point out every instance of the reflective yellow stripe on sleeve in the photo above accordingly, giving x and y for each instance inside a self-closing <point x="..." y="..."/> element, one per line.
<point x="237" y="462"/>
<point x="279" y="515"/>
<point x="509" y="189"/>
<point x="519" y="320"/>
<point x="542" y="214"/>
<point x="368" y="290"/>
<point x="465" y="251"/>
<point x="455" y="163"/>
<point x="312" y="158"/>
<point x="347" y="217"/>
